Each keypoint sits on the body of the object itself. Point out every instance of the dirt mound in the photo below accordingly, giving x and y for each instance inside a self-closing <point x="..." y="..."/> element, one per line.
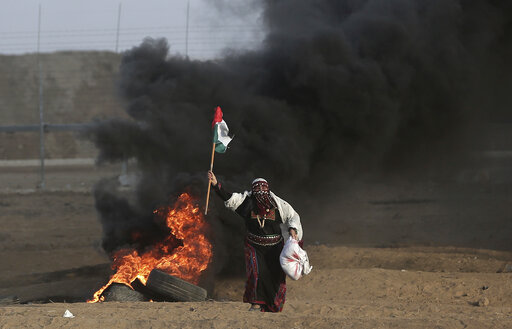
<point x="77" y="87"/>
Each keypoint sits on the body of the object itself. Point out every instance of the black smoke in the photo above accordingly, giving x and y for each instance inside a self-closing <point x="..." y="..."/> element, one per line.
<point x="339" y="88"/>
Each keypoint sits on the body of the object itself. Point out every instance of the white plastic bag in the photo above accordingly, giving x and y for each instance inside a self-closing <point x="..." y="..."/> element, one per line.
<point x="294" y="260"/>
<point x="68" y="314"/>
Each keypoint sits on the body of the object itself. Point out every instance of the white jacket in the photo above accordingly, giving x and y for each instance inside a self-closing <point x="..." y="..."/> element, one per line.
<point x="289" y="216"/>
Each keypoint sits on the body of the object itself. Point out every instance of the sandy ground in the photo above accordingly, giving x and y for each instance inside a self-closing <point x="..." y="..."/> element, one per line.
<point x="52" y="261"/>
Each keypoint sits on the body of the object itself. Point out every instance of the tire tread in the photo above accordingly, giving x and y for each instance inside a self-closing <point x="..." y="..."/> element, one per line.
<point x="176" y="288"/>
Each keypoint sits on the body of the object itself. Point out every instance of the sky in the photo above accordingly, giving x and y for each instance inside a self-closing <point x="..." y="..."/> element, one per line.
<point x="93" y="25"/>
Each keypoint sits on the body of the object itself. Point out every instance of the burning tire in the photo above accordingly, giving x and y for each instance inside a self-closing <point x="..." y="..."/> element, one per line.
<point x="119" y="292"/>
<point x="173" y="288"/>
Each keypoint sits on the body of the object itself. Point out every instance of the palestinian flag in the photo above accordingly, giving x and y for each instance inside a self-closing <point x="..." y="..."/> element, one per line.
<point x="220" y="132"/>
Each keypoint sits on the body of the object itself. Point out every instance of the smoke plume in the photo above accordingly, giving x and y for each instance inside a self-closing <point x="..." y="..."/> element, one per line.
<point x="339" y="88"/>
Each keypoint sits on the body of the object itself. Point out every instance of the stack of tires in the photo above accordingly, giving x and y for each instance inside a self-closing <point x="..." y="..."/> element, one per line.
<point x="159" y="287"/>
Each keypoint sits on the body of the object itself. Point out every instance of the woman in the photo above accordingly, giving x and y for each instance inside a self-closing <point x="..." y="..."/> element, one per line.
<point x="269" y="221"/>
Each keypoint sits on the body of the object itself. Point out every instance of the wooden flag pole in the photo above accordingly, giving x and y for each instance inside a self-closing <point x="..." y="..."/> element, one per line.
<point x="209" y="181"/>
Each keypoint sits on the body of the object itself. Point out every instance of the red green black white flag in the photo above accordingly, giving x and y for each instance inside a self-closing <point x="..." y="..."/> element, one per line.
<point x="220" y="132"/>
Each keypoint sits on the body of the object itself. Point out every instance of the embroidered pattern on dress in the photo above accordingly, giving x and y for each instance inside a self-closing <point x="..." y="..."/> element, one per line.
<point x="267" y="240"/>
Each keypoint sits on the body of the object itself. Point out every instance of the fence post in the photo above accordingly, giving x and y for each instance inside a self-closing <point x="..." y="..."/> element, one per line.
<point x="41" y="117"/>
<point x="186" y="30"/>
<point x="118" y="25"/>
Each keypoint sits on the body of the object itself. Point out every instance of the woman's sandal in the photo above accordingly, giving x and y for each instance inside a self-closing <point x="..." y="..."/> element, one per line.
<point x="255" y="307"/>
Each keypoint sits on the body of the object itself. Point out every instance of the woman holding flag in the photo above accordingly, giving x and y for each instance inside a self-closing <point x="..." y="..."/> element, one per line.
<point x="269" y="221"/>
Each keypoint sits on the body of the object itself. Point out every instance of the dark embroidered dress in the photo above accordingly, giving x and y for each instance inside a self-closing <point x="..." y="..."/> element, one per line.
<point x="266" y="281"/>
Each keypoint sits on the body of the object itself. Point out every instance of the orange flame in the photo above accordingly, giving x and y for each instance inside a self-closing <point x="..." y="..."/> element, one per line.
<point x="187" y="262"/>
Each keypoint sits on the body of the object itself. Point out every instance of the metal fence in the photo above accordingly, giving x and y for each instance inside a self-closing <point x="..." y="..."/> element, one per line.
<point x="58" y="77"/>
<point x="192" y="29"/>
